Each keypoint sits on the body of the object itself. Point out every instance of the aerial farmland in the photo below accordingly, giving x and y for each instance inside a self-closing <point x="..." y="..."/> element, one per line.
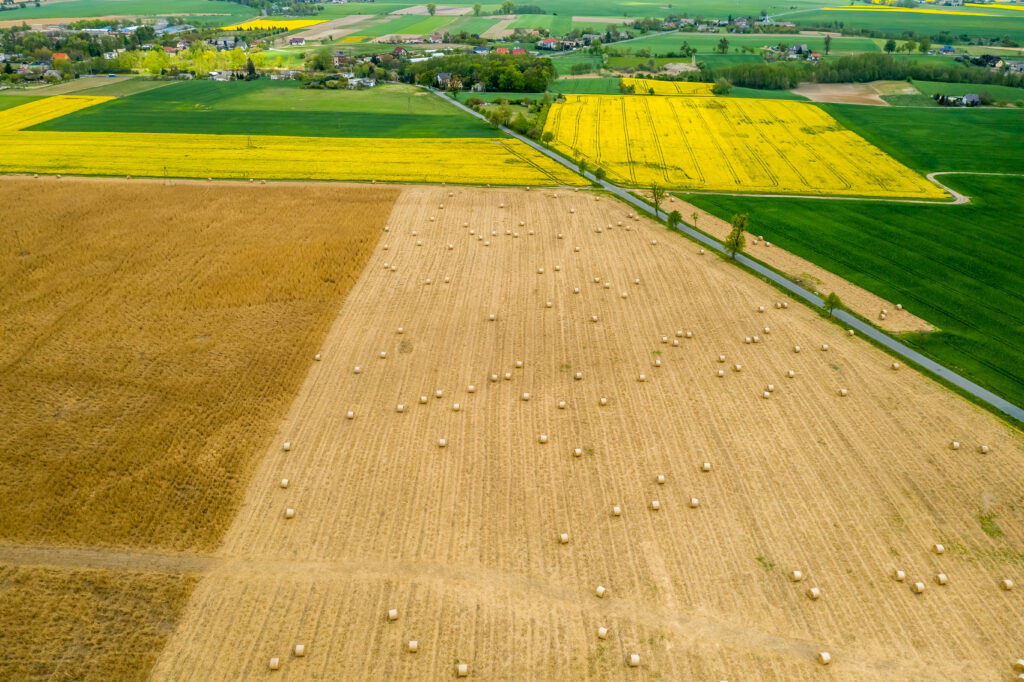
<point x="502" y="342"/>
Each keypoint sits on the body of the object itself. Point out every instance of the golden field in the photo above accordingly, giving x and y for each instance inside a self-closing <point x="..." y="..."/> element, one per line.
<point x="912" y="10"/>
<point x="457" y="160"/>
<point x="270" y="23"/>
<point x="644" y="86"/>
<point x="463" y="540"/>
<point x="151" y="337"/>
<point x="728" y="145"/>
<point x="85" y="625"/>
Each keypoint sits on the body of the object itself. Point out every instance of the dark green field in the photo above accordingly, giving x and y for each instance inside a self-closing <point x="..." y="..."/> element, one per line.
<point x="276" y="108"/>
<point x="586" y="86"/>
<point x="204" y="11"/>
<point x="924" y="24"/>
<point x="958" y="267"/>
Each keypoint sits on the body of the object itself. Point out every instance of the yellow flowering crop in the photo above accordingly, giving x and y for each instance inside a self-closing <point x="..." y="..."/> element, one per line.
<point x="271" y="23"/>
<point x="465" y="160"/>
<point x="31" y="113"/>
<point x="354" y="39"/>
<point x="1001" y="6"/>
<point x="914" y="10"/>
<point x="643" y="86"/>
<point x="727" y="145"/>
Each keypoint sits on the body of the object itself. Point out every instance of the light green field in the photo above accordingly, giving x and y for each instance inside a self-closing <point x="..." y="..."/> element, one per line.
<point x="217" y="10"/>
<point x="925" y="24"/>
<point x="96" y="86"/>
<point x="472" y="25"/>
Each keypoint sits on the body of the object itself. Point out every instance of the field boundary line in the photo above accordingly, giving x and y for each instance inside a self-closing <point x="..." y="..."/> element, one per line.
<point x="105" y="558"/>
<point x="880" y="337"/>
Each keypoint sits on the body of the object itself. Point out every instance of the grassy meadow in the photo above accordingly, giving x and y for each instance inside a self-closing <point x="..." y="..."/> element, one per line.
<point x="155" y="364"/>
<point x="964" y="24"/>
<point x="267" y="107"/>
<point x="955" y="266"/>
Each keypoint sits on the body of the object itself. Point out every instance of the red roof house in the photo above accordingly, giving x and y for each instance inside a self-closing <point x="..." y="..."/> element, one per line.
<point x="518" y="50"/>
<point x="59" y="55"/>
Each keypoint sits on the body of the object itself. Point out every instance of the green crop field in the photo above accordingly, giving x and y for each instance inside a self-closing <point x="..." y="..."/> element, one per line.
<point x="408" y="24"/>
<point x="472" y="25"/>
<point x="218" y="11"/>
<point x="9" y="102"/>
<point x="557" y="24"/>
<point x="332" y="11"/>
<point x="999" y="92"/>
<point x="977" y="139"/>
<point x="586" y="86"/>
<point x="754" y="93"/>
<point x="925" y="24"/>
<point x="955" y="266"/>
<point x="276" y="108"/>
<point x="705" y="42"/>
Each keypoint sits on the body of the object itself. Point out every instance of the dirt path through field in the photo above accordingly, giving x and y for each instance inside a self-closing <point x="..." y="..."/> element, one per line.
<point x="335" y="28"/>
<point x="463" y="540"/>
<point x="501" y="29"/>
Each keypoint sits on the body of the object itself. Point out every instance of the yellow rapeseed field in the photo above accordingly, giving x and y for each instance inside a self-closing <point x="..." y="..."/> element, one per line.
<point x="28" y="115"/>
<point x="728" y="145"/>
<point x="914" y="10"/>
<point x="644" y="86"/>
<point x="463" y="160"/>
<point x="264" y="23"/>
<point x="354" y="39"/>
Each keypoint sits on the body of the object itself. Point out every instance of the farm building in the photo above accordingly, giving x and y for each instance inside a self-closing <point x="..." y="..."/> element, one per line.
<point x="298" y="42"/>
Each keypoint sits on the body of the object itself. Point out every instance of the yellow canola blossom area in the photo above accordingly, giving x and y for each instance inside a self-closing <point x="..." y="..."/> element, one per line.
<point x="1000" y="6"/>
<point x="265" y="23"/>
<point x="644" y="86"/>
<point x="460" y="160"/>
<point x="727" y="145"/>
<point x="914" y="10"/>
<point x="31" y="113"/>
<point x="457" y="160"/>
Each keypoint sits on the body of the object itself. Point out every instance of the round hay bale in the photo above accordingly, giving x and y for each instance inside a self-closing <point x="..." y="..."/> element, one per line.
<point x="895" y="365"/>
<point x="899" y="576"/>
<point x="850" y="332"/>
<point x="824" y="657"/>
<point x="438" y="393"/>
<point x="983" y="449"/>
<point x="917" y="588"/>
<point x="738" y="368"/>
<point x="603" y="402"/>
<point x="284" y="482"/>
<point x="287" y="446"/>
<point x="317" y="357"/>
<point x="814" y="593"/>
<point x="578" y="376"/>
<point x="824" y="346"/>
<point x="694" y="503"/>
<point x="1006" y="584"/>
<point x="796" y="349"/>
<point x="413" y="646"/>
<point x="705" y="467"/>
<point x="941" y="579"/>
<point x="548" y="304"/>
<point x="660" y="479"/>
<point x="494" y="377"/>
<point x="357" y="369"/>
<point x="843" y="392"/>
<point x="790" y="374"/>
<point x="593" y="318"/>
<point x="508" y="376"/>
<point x="543" y="438"/>
<point x="575" y="290"/>
<point x="616" y="510"/>
<point x="642" y="377"/>
<point x="423" y="400"/>
<point x="456" y="407"/>
<point x="289" y="513"/>
<point x="657" y="362"/>
<point x="561" y="404"/>
<point x="655" y="505"/>
<point x="471" y="389"/>
<point x="796" y="576"/>
<point x="563" y="538"/>
<point x="400" y="408"/>
<point x="275" y="663"/>
<point x="721" y="373"/>
<point x="526" y="397"/>
<point x="766" y="395"/>
<point x="939" y="549"/>
<point x="767" y="330"/>
<point x="492" y="317"/>
<point x="602" y="633"/>
<point x="600" y="591"/>
<point x="350" y="415"/>
<point x="400" y="330"/>
<point x="442" y="442"/>
<point x="519" y="364"/>
<point x="955" y="445"/>
<point x="634" y="660"/>
<point x="392" y="615"/>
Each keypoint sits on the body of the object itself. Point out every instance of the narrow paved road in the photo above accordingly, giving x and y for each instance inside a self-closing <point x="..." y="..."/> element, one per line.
<point x="867" y="330"/>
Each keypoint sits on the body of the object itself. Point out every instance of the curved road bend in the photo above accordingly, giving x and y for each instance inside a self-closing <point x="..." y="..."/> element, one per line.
<point x="867" y="330"/>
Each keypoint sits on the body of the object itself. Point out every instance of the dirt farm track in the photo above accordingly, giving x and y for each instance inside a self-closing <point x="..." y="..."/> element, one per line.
<point x="464" y="540"/>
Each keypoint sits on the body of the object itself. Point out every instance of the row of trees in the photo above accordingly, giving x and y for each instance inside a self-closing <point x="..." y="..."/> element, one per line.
<point x="504" y="73"/>
<point x="858" y="68"/>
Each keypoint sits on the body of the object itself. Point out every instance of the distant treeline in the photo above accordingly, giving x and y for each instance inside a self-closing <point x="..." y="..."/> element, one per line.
<point x="860" y="68"/>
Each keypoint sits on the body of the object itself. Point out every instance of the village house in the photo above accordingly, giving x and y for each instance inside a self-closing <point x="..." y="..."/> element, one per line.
<point x="296" y="42"/>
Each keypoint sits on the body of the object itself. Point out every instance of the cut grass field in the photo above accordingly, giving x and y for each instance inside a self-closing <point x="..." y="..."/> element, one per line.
<point x="954" y="266"/>
<point x="148" y="356"/>
<point x="267" y="107"/>
<point x="85" y="625"/>
<point x="200" y="11"/>
<point x="708" y="42"/>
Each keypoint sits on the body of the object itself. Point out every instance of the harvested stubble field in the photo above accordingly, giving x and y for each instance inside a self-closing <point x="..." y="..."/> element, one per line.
<point x="463" y="539"/>
<point x="67" y="624"/>
<point x="151" y="336"/>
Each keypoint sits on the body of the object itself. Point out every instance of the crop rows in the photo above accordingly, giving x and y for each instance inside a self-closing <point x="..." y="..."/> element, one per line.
<point x="742" y="145"/>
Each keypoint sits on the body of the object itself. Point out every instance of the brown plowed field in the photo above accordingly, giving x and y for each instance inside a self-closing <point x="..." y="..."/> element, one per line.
<point x="463" y="540"/>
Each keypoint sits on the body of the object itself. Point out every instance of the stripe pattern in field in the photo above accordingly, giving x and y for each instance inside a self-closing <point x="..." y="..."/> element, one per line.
<point x="644" y="86"/>
<point x="463" y="540"/>
<point x="28" y="115"/>
<point x="728" y="145"/>
<point x="502" y="161"/>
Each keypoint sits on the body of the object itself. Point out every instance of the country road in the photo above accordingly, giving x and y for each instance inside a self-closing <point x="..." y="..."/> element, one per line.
<point x="907" y="353"/>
